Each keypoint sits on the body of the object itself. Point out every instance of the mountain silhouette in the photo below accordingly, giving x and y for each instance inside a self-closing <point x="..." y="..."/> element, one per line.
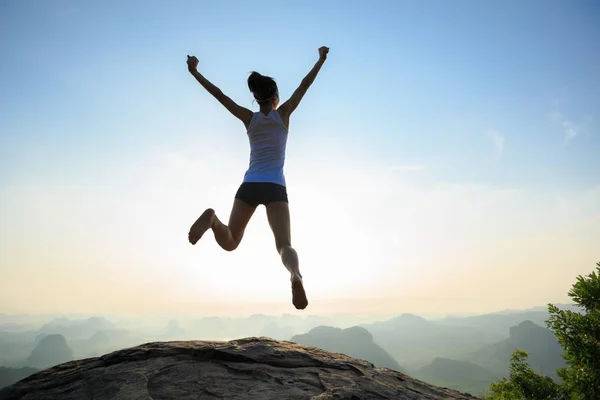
<point x="496" y="326"/>
<point x="545" y="353"/>
<point x="355" y="342"/>
<point x="76" y="329"/>
<point x="415" y="341"/>
<point x="51" y="350"/>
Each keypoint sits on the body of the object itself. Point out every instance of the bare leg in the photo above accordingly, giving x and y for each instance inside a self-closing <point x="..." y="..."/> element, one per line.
<point x="227" y="236"/>
<point x="278" y="214"/>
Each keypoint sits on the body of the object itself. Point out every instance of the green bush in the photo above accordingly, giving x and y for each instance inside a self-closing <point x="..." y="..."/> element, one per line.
<point x="579" y="336"/>
<point x="523" y="382"/>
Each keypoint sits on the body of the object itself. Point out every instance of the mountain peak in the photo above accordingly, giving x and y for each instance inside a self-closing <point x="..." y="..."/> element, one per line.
<point x="411" y="318"/>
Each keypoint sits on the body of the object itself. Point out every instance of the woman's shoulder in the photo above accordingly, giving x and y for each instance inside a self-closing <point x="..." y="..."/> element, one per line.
<point x="284" y="119"/>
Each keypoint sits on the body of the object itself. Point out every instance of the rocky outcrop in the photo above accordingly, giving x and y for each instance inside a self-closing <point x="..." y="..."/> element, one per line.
<point x="251" y="368"/>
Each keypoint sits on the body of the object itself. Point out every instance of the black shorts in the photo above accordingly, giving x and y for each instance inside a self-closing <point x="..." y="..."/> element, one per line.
<point x="255" y="193"/>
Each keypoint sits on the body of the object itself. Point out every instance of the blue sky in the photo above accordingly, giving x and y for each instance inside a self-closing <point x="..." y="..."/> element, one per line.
<point x="414" y="81"/>
<point x="498" y="94"/>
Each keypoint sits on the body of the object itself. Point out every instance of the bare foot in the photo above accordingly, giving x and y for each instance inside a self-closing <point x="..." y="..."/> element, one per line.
<point x="202" y="224"/>
<point x="298" y="294"/>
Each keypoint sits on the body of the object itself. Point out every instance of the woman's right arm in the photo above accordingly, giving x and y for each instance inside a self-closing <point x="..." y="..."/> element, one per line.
<point x="240" y="112"/>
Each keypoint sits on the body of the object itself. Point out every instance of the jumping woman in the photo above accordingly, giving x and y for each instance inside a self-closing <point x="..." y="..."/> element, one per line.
<point x="264" y="181"/>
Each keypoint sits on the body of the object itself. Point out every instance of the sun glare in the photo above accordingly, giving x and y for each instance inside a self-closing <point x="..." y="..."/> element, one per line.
<point x="335" y="256"/>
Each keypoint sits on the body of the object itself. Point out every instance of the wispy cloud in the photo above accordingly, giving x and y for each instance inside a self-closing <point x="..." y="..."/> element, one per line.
<point x="571" y="129"/>
<point x="497" y="140"/>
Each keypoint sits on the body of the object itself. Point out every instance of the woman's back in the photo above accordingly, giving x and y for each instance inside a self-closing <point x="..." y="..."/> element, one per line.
<point x="268" y="139"/>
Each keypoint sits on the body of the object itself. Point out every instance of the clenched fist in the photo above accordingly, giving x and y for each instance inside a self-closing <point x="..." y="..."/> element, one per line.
<point x="192" y="63"/>
<point x="323" y="51"/>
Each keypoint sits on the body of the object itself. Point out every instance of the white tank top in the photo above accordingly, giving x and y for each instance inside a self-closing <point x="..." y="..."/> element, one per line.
<point x="268" y="138"/>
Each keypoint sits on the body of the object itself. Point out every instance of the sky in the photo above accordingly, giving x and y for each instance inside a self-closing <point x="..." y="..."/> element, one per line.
<point x="446" y="159"/>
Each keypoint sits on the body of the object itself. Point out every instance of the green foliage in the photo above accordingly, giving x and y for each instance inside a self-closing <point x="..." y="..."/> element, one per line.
<point x="579" y="337"/>
<point x="524" y="382"/>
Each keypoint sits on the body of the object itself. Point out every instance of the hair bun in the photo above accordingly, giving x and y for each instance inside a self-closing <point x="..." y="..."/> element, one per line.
<point x="263" y="87"/>
<point x="254" y="81"/>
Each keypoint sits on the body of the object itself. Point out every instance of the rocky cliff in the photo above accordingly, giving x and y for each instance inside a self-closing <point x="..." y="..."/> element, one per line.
<point x="251" y="368"/>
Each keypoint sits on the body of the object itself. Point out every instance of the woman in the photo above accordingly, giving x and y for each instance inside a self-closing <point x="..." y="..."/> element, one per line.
<point x="264" y="181"/>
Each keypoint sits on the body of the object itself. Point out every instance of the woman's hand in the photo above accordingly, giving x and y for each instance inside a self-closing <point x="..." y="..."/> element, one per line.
<point x="323" y="53"/>
<point x="192" y="63"/>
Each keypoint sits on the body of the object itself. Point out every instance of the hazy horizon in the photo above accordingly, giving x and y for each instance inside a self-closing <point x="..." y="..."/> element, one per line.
<point x="359" y="315"/>
<point x="444" y="161"/>
<point x="465" y="354"/>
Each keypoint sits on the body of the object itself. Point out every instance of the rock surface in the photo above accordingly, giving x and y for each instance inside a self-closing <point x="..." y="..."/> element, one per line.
<point x="251" y="368"/>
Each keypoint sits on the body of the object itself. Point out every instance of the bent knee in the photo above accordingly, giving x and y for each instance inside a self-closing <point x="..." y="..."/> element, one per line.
<point x="231" y="245"/>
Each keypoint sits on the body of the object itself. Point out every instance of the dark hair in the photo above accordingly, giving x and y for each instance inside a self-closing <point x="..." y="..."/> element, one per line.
<point x="263" y="87"/>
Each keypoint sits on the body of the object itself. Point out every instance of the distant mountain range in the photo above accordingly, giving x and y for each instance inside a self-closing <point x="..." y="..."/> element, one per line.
<point x="76" y="329"/>
<point x="414" y="341"/>
<point x="464" y="353"/>
<point x="423" y="347"/>
<point x="355" y="342"/>
<point x="497" y="325"/>
<point x="545" y="353"/>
